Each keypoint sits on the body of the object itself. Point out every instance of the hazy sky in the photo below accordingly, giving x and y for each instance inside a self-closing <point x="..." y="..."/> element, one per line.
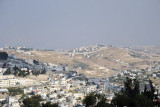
<point x="67" y="24"/>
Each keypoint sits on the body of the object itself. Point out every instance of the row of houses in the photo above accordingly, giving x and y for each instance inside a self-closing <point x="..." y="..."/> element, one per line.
<point x="12" y="81"/>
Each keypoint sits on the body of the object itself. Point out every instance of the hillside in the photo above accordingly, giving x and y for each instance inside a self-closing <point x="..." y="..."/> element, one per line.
<point x="99" y="61"/>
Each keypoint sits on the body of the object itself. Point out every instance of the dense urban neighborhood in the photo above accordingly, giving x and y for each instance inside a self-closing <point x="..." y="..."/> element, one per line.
<point x="21" y="79"/>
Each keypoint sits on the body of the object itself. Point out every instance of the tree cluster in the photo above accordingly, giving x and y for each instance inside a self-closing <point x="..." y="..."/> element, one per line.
<point x="3" y="56"/>
<point x="35" y="62"/>
<point x="7" y="72"/>
<point x="34" y="101"/>
<point x="131" y="96"/>
<point x="37" y="72"/>
<point x="15" y="91"/>
<point x="95" y="100"/>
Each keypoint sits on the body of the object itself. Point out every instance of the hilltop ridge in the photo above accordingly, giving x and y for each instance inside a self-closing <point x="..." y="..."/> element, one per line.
<point x="94" y="61"/>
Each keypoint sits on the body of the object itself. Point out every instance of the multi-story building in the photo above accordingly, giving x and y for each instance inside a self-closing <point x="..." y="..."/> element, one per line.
<point x="89" y="88"/>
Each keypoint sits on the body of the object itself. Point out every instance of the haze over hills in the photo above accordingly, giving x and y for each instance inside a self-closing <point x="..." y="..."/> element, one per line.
<point x="95" y="61"/>
<point x="150" y="49"/>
